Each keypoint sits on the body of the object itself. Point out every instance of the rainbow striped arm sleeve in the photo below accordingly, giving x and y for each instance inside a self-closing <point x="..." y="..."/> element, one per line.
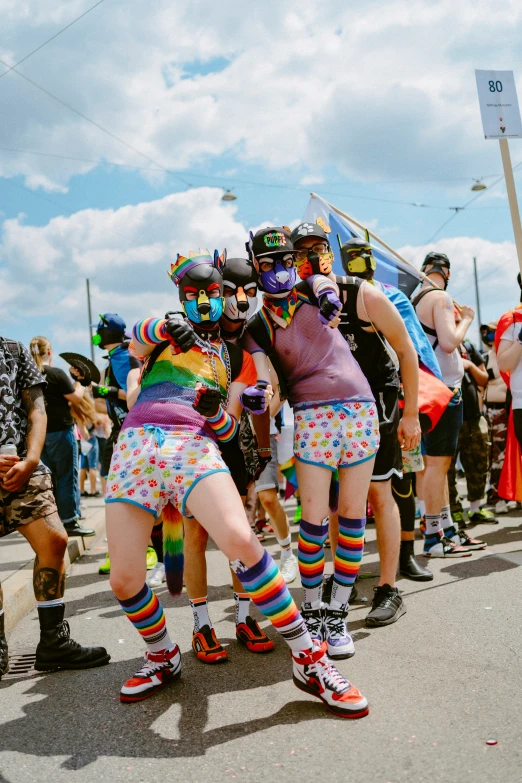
<point x="321" y="284"/>
<point x="150" y="331"/>
<point x="224" y="425"/>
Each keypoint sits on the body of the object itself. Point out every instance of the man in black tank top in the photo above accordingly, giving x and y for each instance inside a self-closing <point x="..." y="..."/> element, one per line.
<point x="366" y="320"/>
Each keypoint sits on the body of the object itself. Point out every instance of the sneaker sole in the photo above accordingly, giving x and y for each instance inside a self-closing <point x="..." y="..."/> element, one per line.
<point x="220" y="657"/>
<point x="55" y="667"/>
<point x="371" y="623"/>
<point x="128" y="699"/>
<point x="353" y="714"/>
<point x="340" y="656"/>
<point x="257" y="647"/>
<point x="446" y="556"/>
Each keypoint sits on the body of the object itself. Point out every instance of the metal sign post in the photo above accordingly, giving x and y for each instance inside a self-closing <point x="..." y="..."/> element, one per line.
<point x="501" y="120"/>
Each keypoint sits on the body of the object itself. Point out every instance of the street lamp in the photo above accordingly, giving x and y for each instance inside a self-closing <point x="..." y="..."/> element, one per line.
<point x="479" y="185"/>
<point x="228" y="196"/>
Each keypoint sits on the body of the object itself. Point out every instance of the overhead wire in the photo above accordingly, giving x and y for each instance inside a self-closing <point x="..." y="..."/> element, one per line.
<point x="30" y="54"/>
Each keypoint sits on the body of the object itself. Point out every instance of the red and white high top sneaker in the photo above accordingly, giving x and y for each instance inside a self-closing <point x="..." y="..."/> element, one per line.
<point x="315" y="674"/>
<point x="160" y="669"/>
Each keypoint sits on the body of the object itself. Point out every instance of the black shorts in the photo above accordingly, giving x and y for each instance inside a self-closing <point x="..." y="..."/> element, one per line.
<point x="235" y="462"/>
<point x="105" y="460"/>
<point x="443" y="438"/>
<point x="388" y="461"/>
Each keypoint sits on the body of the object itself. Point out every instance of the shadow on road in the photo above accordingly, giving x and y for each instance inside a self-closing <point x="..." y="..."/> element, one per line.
<point x="96" y="723"/>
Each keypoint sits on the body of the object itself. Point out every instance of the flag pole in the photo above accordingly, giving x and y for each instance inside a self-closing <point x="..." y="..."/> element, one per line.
<point x="374" y="236"/>
<point x="387" y="247"/>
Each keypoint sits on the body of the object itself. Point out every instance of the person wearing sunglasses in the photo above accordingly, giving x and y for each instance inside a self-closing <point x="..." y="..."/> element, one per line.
<point x="335" y="424"/>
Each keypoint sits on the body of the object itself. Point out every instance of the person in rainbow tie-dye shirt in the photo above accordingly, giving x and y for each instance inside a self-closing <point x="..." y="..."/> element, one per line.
<point x="167" y="460"/>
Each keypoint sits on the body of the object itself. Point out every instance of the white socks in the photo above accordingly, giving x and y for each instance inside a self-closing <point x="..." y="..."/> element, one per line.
<point x="242" y="607"/>
<point x="54" y="602"/>
<point x="199" y="608"/>
<point x="286" y="546"/>
<point x="474" y="505"/>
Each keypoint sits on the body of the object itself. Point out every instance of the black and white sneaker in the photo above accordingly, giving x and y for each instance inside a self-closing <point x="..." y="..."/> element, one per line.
<point x="387" y="606"/>
<point x="445" y="548"/>
<point x="314" y="622"/>
<point x="339" y="642"/>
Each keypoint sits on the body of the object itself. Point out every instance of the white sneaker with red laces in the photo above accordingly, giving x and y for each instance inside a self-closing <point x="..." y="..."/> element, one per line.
<point x="316" y="675"/>
<point x="160" y="669"/>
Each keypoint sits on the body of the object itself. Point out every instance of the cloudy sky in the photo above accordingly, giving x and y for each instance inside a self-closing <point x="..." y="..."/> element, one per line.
<point x="119" y="135"/>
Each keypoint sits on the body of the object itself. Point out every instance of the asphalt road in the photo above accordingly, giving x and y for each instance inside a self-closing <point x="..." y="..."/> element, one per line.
<point x="441" y="682"/>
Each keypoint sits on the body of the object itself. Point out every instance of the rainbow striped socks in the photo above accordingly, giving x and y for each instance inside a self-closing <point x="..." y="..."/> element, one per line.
<point x="347" y="559"/>
<point x="310" y="553"/>
<point x="270" y="594"/>
<point x="146" y="614"/>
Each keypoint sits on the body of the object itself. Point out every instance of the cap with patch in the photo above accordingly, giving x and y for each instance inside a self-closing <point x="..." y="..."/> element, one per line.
<point x="305" y="230"/>
<point x="271" y="240"/>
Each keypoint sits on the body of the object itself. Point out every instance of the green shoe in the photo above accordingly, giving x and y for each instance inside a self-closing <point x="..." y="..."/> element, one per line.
<point x="459" y="520"/>
<point x="105" y="568"/>
<point x="297" y="514"/>
<point x="152" y="558"/>
<point x="484" y="516"/>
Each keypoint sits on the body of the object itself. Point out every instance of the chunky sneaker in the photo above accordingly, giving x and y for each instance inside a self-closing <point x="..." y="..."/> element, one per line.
<point x="484" y="516"/>
<point x="105" y="568"/>
<point x="157" y="576"/>
<point x="288" y="568"/>
<point x="461" y="538"/>
<point x="387" y="606"/>
<point x="207" y="647"/>
<point x="314" y="622"/>
<point x="250" y="634"/>
<point x="459" y="519"/>
<point x="315" y="674"/>
<point x="445" y="548"/>
<point x="160" y="669"/>
<point x="152" y="558"/>
<point x="339" y="642"/>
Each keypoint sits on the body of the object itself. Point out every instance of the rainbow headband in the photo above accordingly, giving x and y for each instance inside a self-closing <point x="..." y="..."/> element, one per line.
<point x="184" y="264"/>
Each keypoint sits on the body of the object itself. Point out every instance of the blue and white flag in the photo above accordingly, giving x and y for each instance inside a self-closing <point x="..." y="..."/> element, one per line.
<point x="389" y="270"/>
<point x="398" y="280"/>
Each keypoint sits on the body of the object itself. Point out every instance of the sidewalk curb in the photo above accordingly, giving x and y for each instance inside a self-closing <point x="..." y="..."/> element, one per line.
<point x="18" y="592"/>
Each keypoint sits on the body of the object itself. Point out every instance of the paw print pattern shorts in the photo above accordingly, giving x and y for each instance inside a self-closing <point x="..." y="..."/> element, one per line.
<point x="151" y="467"/>
<point x="336" y="435"/>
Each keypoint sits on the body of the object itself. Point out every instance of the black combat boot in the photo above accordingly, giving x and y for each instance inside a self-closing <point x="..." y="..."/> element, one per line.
<point x="408" y="565"/>
<point x="56" y="649"/>
<point x="4" y="653"/>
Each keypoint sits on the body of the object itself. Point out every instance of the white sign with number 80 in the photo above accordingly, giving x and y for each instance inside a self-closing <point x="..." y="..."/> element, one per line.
<point x="499" y="104"/>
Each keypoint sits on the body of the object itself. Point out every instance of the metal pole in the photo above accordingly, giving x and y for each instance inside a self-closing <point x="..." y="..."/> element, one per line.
<point x="512" y="196"/>
<point x="90" y="318"/>
<point x="477" y="297"/>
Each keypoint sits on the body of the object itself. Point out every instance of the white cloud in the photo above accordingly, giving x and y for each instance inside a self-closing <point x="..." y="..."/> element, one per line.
<point x="497" y="269"/>
<point x="383" y="90"/>
<point x="125" y="253"/>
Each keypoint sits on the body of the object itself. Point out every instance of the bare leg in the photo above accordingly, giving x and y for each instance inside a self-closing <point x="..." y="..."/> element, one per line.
<point x="48" y="539"/>
<point x="388" y="527"/>
<point x="83" y="476"/>
<point x="354" y="485"/>
<point x="272" y="505"/>
<point x="128" y="535"/>
<point x="92" y="481"/>
<point x="333" y="530"/>
<point x="314" y="487"/>
<point x="194" y="547"/>
<point x="434" y="484"/>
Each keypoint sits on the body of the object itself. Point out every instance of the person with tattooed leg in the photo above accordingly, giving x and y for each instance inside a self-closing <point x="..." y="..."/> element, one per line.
<point x="27" y="504"/>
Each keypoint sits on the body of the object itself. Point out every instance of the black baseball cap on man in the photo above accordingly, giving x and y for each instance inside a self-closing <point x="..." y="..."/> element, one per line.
<point x="272" y="240"/>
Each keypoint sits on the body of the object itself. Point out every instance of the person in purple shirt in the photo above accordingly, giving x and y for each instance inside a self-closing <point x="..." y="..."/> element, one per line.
<point x="336" y="426"/>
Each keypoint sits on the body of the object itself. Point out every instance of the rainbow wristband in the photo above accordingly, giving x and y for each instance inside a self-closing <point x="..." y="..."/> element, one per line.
<point x="224" y="425"/>
<point x="150" y="331"/>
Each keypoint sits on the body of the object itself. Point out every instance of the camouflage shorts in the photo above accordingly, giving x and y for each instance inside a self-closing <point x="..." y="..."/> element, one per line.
<point x="34" y="501"/>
